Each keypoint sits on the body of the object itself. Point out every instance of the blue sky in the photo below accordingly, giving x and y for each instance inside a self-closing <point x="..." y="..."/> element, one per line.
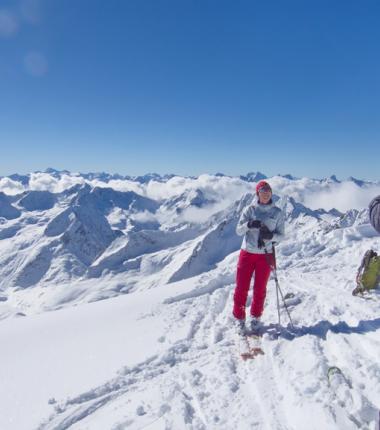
<point x="189" y="87"/>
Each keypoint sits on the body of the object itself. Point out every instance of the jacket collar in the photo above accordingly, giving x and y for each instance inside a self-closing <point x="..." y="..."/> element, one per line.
<point x="265" y="207"/>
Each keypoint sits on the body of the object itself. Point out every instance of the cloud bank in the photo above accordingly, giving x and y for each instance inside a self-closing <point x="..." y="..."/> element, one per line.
<point x="221" y="190"/>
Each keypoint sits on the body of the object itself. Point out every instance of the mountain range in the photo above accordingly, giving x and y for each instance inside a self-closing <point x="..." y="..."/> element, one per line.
<point x="108" y="283"/>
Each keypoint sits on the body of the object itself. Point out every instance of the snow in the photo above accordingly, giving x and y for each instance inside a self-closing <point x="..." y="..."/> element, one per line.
<point x="108" y="325"/>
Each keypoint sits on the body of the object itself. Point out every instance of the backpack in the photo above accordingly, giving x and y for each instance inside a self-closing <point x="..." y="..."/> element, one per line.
<point x="368" y="276"/>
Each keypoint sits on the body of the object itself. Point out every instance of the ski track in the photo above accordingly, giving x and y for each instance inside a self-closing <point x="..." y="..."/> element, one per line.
<point x="356" y="347"/>
<point x="200" y="382"/>
<point x="177" y="364"/>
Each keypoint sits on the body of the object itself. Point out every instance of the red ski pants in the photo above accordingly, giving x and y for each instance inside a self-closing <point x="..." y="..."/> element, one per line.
<point x="248" y="264"/>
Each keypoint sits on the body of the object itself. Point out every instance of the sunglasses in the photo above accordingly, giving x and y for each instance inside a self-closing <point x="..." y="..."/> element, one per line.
<point x="265" y="190"/>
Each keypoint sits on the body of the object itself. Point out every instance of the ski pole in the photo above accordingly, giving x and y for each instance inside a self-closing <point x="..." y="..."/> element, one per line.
<point x="272" y="266"/>
<point x="278" y="289"/>
<point x="283" y="299"/>
<point x="276" y="283"/>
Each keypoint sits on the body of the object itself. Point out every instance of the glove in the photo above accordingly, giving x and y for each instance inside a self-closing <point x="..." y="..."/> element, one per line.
<point x="265" y="233"/>
<point x="254" y="223"/>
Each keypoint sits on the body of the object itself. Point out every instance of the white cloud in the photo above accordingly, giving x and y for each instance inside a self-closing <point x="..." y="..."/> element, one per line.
<point x="10" y="187"/>
<point x="200" y="215"/>
<point x="221" y="190"/>
<point x="68" y="181"/>
<point x="120" y="185"/>
<point x="43" y="181"/>
<point x="165" y="190"/>
<point x="326" y="194"/>
<point x="36" y="64"/>
<point x="343" y="196"/>
<point x="224" y="189"/>
<point x="144" y="217"/>
<point x="9" y="24"/>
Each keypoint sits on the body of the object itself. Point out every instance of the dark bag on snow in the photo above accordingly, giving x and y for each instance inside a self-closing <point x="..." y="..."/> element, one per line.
<point x="368" y="276"/>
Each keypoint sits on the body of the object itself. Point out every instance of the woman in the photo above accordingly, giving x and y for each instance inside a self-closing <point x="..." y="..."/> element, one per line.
<point x="261" y="224"/>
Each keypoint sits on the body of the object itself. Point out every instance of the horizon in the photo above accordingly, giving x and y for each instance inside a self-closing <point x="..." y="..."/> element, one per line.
<point x="326" y="193"/>
<point x="49" y="170"/>
<point x="154" y="86"/>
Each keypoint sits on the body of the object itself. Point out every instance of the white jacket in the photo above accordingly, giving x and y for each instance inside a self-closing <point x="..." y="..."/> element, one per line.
<point x="270" y="215"/>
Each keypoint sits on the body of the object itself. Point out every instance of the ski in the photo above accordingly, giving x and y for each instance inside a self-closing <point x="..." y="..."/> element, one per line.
<point x="250" y="346"/>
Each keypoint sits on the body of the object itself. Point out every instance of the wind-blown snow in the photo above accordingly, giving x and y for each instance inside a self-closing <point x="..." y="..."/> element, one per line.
<point x="115" y="307"/>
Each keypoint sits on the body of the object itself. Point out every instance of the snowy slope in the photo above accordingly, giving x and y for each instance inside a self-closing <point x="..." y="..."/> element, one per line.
<point x="161" y="352"/>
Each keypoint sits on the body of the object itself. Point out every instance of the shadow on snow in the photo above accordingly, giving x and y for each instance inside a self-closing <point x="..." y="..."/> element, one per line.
<point x="323" y="327"/>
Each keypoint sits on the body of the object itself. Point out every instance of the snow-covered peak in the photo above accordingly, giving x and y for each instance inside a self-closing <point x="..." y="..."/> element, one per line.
<point x="313" y="193"/>
<point x="351" y="218"/>
<point x="129" y="200"/>
<point x="54" y="172"/>
<point x="359" y="182"/>
<point x="191" y="198"/>
<point x="332" y="179"/>
<point x="68" y="234"/>
<point x="152" y="177"/>
<point x="289" y="176"/>
<point x="295" y="209"/>
<point x="253" y="177"/>
<point x="22" y="179"/>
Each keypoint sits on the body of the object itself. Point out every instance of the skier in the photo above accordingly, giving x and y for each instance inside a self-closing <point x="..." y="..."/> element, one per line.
<point x="261" y="224"/>
<point x="374" y="213"/>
